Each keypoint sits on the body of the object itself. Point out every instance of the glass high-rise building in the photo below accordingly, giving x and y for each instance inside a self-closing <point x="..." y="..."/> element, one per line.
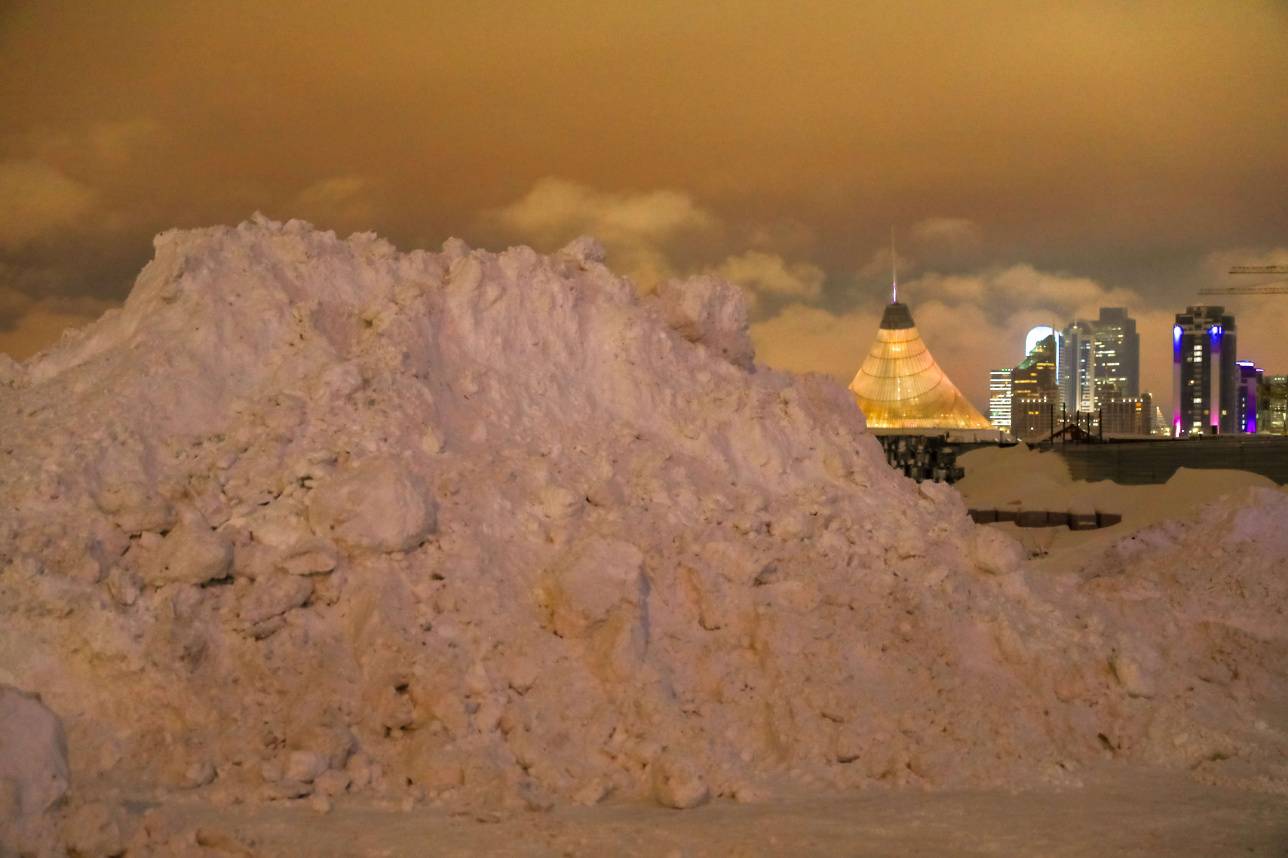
<point x="1117" y="346"/>
<point x="999" y="398"/>
<point x="1035" y="395"/>
<point x="1037" y="334"/>
<point x="1274" y="405"/>
<point x="1099" y="361"/>
<point x="1077" y="369"/>
<point x="1205" y="377"/>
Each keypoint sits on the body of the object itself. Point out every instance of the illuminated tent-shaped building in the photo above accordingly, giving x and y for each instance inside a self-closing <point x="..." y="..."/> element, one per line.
<point x="900" y="386"/>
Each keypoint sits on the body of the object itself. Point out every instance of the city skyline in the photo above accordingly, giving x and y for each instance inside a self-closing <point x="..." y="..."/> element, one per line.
<point x="1090" y="370"/>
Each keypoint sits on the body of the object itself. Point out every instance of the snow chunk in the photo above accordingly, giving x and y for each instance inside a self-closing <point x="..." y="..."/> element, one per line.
<point x="274" y="595"/>
<point x="304" y="766"/>
<point x="678" y="783"/>
<point x="94" y="829"/>
<point x="601" y="576"/>
<point x="993" y="552"/>
<point x="33" y="751"/>
<point x="710" y="311"/>
<point x="584" y="249"/>
<point x="1131" y="675"/>
<point x="192" y="553"/>
<point x="374" y="504"/>
<point x="134" y="506"/>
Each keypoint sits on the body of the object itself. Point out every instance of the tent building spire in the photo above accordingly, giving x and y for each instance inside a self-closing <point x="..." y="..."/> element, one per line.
<point x="894" y="271"/>
<point x="900" y="385"/>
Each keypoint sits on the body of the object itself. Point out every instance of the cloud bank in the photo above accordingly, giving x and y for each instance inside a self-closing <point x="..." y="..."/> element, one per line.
<point x="39" y="203"/>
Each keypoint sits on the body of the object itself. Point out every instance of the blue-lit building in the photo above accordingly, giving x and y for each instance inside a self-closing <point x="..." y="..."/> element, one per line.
<point x="1205" y="375"/>
<point x="1252" y="379"/>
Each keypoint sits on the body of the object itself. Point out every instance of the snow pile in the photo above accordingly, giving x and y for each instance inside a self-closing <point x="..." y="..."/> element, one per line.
<point x="1213" y="593"/>
<point x="311" y="516"/>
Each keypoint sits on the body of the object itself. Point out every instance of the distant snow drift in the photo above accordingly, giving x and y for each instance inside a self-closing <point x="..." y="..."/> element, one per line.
<point x="313" y="516"/>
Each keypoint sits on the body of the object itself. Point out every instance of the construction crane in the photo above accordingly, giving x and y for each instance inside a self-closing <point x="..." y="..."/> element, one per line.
<point x="1259" y="269"/>
<point x="1274" y="287"/>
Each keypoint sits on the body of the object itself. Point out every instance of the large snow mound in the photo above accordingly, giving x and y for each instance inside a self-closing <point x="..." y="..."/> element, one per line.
<point x="311" y="515"/>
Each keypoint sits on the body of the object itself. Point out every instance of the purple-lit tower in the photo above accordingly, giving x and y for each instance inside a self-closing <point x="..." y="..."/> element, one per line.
<point x="1251" y="380"/>
<point x="1205" y="377"/>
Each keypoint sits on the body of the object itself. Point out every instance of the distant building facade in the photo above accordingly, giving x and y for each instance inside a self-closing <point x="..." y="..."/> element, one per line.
<point x="1117" y="346"/>
<point x="1035" y="416"/>
<point x="999" y="398"/>
<point x="1127" y="415"/>
<point x="1099" y="359"/>
<point x="1077" y="369"/>
<point x="1273" y="408"/>
<point x="1251" y="384"/>
<point x="1035" y="394"/>
<point x="1205" y="378"/>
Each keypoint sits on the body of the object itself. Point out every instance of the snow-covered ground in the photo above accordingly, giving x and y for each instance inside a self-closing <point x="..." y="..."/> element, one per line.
<point x="312" y="525"/>
<point x="1127" y="813"/>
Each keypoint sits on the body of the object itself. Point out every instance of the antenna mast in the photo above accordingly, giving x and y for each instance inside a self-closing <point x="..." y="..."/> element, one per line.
<point x="894" y="271"/>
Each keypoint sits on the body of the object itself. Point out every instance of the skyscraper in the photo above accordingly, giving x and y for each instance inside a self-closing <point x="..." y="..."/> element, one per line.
<point x="1035" y="396"/>
<point x="999" y="398"/>
<point x="1205" y="378"/>
<point x="1274" y="405"/>
<point x="1099" y="361"/>
<point x="1037" y="334"/>
<point x="1251" y="382"/>
<point x="1117" y="346"/>
<point x="1077" y="369"/>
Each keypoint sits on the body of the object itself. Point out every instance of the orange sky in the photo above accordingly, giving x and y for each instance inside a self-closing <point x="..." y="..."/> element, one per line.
<point x="1036" y="159"/>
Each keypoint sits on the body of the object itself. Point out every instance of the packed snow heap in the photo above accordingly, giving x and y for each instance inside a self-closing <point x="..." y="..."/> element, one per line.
<point x="314" y="517"/>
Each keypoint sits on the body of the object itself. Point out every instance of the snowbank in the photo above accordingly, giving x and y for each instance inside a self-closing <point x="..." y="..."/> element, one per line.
<point x="310" y="516"/>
